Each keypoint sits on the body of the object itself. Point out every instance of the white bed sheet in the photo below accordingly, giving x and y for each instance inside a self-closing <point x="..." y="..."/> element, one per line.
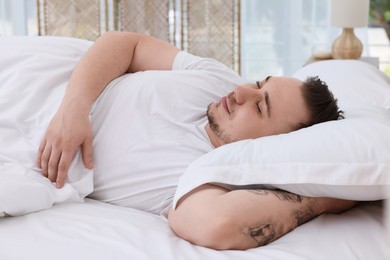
<point x="95" y="230"/>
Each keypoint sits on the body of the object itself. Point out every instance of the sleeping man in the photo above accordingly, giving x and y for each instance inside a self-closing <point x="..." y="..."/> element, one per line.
<point x="141" y="111"/>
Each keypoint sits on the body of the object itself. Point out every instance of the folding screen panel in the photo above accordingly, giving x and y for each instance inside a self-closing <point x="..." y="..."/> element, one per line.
<point x="147" y="17"/>
<point x="210" y="28"/>
<point x="73" y="18"/>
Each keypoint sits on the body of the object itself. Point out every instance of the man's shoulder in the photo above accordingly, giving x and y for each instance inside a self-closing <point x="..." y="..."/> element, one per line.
<point x="188" y="61"/>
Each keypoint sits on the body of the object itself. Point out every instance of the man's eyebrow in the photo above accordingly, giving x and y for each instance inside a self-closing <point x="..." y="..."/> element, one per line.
<point x="266" y="98"/>
<point x="267" y="103"/>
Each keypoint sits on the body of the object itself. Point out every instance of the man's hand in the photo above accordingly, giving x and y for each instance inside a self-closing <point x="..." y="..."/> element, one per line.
<point x="67" y="131"/>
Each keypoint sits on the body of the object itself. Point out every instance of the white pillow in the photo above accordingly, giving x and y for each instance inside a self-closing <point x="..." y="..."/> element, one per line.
<point x="348" y="159"/>
<point x="351" y="81"/>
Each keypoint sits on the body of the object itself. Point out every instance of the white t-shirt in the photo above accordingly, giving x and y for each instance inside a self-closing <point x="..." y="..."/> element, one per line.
<point x="149" y="126"/>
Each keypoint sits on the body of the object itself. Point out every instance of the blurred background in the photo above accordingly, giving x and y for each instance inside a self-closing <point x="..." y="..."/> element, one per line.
<point x="262" y="37"/>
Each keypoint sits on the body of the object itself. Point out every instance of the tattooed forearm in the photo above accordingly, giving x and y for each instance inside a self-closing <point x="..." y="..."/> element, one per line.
<point x="263" y="234"/>
<point x="287" y="196"/>
<point x="288" y="211"/>
<point x="282" y="195"/>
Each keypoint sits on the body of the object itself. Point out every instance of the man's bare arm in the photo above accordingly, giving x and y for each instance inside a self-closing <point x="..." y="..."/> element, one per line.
<point x="112" y="55"/>
<point x="213" y="217"/>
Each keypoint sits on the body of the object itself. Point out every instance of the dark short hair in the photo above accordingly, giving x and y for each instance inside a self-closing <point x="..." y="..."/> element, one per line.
<point x="321" y="103"/>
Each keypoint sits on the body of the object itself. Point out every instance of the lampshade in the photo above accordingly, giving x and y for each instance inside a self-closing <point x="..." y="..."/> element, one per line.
<point x="349" y="13"/>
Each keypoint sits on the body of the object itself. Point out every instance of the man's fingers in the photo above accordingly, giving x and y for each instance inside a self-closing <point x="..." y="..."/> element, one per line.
<point x="52" y="165"/>
<point x="63" y="168"/>
<point x="40" y="152"/>
<point x="86" y="152"/>
<point x="44" y="160"/>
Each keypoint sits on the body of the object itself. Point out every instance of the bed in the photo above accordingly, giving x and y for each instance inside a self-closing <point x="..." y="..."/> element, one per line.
<point x="40" y="222"/>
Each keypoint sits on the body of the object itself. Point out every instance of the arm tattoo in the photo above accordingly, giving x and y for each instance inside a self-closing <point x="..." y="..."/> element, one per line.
<point x="280" y="194"/>
<point x="263" y="234"/>
<point x="287" y="196"/>
<point x="302" y="210"/>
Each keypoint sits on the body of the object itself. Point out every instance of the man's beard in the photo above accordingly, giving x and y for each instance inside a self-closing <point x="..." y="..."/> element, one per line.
<point x="216" y="128"/>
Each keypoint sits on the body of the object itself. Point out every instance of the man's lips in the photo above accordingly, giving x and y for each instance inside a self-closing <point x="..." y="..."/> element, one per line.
<point x="224" y="104"/>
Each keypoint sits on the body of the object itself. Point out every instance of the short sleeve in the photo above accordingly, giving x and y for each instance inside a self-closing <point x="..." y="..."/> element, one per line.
<point x="187" y="61"/>
<point x="212" y="67"/>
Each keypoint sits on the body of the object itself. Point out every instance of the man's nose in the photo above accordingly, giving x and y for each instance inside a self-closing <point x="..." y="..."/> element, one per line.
<point x="243" y="94"/>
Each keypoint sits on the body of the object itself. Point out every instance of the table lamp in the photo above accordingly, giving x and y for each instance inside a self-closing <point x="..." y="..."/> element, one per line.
<point x="348" y="14"/>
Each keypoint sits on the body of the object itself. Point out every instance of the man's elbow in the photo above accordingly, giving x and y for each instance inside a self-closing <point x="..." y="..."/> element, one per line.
<point x="215" y="232"/>
<point x="209" y="233"/>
